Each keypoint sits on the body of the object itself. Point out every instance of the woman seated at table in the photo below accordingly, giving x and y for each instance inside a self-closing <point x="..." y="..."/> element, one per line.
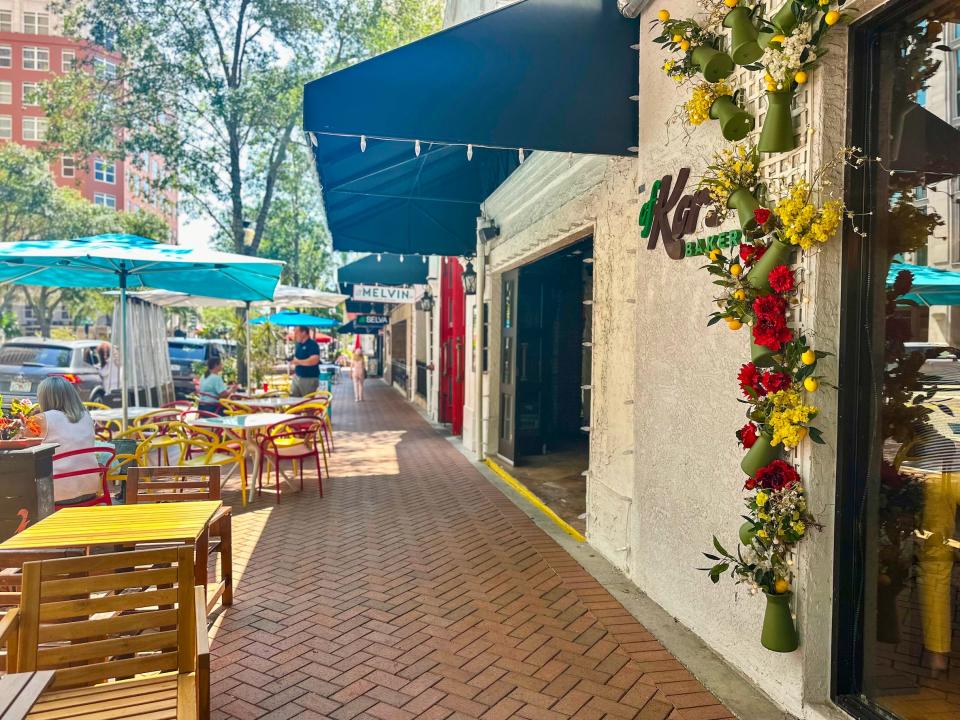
<point x="71" y="427"/>
<point x="212" y="387"/>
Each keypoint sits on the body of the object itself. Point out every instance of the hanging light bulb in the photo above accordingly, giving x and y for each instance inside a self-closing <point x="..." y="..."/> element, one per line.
<point x="469" y="152"/>
<point x="424" y="258"/>
<point x="416" y="148"/>
<point x="378" y="257"/>
<point x="520" y="155"/>
<point x="401" y="258"/>
<point x="363" y="143"/>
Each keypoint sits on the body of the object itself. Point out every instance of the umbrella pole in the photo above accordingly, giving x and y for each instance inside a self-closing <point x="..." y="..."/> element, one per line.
<point x="123" y="348"/>
<point x="246" y="325"/>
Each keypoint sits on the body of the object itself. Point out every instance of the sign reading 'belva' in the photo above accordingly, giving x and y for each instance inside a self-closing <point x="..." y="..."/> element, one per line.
<point x="656" y="222"/>
<point x="384" y="294"/>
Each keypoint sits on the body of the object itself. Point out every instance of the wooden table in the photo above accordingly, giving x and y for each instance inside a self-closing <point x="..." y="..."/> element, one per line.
<point x="85" y="527"/>
<point x="246" y="427"/>
<point x="19" y="692"/>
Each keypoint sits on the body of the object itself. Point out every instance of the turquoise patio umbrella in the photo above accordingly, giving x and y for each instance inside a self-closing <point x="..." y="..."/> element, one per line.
<point x="287" y="318"/>
<point x="131" y="262"/>
<point x="931" y="286"/>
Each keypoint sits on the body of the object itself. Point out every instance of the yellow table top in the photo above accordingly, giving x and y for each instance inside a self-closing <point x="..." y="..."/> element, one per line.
<point x="117" y="524"/>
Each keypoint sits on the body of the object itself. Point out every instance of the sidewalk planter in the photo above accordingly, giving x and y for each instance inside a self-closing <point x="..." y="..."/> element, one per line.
<point x="748" y="531"/>
<point x="743" y="201"/>
<point x="714" y="65"/>
<point x="760" y="455"/>
<point x="779" y="633"/>
<point x="743" y="36"/>
<point x="735" y="122"/>
<point x="778" y="253"/>
<point x="776" y="135"/>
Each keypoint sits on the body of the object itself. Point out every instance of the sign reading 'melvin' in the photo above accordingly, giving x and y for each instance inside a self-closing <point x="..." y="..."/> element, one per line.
<point x="656" y="222"/>
<point x="384" y="294"/>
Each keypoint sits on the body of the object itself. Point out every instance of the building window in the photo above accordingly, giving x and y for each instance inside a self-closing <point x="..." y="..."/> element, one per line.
<point x="68" y="166"/>
<point x="29" y="93"/>
<point x="6" y="127"/>
<point x="896" y="571"/>
<point x="68" y="60"/>
<point x="6" y="56"/>
<point x="105" y="199"/>
<point x="35" y="23"/>
<point x="35" y="128"/>
<point x="36" y="58"/>
<point x="104" y="171"/>
<point x="6" y="92"/>
<point x="154" y="170"/>
<point x="104" y="68"/>
<point x="6" y="21"/>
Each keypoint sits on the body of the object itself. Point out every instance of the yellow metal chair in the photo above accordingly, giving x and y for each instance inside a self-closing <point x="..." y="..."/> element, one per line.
<point x="234" y="407"/>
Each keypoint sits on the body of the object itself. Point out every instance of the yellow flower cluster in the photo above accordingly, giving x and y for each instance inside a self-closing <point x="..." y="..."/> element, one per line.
<point x="668" y="68"/>
<point x="803" y="223"/>
<point x="698" y="106"/>
<point x="732" y="169"/>
<point x="789" y="417"/>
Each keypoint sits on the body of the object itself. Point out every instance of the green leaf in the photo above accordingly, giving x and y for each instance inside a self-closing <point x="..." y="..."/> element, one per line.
<point x="816" y="435"/>
<point x="714" y="320"/>
<point x="719" y="547"/>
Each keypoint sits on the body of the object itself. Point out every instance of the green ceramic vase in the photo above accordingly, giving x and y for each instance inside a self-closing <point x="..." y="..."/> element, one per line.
<point x="784" y="22"/>
<point x="776" y="135"/>
<point x="744" y="48"/>
<point x="743" y="201"/>
<point x="748" y="531"/>
<point x="778" y="253"/>
<point x="779" y="633"/>
<point x="714" y="65"/>
<point x="759" y="355"/>
<point x="735" y="122"/>
<point x="760" y="455"/>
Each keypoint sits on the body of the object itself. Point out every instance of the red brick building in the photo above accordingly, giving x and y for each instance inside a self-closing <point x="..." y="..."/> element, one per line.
<point x="32" y="51"/>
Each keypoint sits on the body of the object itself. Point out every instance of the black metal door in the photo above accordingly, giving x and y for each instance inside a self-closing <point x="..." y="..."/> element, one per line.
<point x="506" y="434"/>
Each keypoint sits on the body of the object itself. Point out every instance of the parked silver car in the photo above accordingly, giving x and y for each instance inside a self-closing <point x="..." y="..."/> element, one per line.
<point x="26" y="361"/>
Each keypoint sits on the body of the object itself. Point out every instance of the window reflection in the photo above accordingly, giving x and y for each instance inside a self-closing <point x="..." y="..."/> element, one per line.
<point x="912" y="663"/>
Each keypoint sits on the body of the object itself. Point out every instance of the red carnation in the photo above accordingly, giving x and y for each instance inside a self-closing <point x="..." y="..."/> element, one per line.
<point x="778" y="475"/>
<point x="774" y="381"/>
<point x="761" y="215"/>
<point x="781" y="279"/>
<point x="750" y="484"/>
<point x="771" y="329"/>
<point x="770" y="306"/>
<point x="750" y="381"/>
<point x="747" y="435"/>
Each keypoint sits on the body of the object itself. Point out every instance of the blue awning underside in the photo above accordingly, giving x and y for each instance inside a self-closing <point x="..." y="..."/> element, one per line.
<point x="385" y="269"/>
<point x="552" y="75"/>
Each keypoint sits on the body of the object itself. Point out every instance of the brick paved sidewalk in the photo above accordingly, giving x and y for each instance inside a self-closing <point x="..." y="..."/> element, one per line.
<point x="415" y="589"/>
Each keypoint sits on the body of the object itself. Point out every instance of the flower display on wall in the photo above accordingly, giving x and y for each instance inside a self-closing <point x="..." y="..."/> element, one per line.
<point x="759" y="285"/>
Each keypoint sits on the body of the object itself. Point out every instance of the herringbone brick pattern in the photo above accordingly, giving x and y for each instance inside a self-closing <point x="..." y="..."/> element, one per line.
<point x="415" y="589"/>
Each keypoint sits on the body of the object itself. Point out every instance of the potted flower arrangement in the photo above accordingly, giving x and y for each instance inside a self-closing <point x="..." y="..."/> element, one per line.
<point x="717" y="101"/>
<point x="695" y="49"/>
<point x="734" y="183"/>
<point x="18" y="428"/>
<point x="777" y="519"/>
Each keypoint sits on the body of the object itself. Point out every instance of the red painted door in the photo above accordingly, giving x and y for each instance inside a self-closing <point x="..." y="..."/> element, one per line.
<point x="452" y="344"/>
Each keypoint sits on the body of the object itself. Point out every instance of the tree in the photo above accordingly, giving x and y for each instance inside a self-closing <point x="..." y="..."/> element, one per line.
<point x="32" y="207"/>
<point x="296" y="230"/>
<point x="211" y="85"/>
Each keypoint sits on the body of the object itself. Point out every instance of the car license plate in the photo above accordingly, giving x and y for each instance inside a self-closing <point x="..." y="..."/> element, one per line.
<point x="21" y="386"/>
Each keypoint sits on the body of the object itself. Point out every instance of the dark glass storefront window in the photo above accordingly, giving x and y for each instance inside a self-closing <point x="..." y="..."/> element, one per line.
<point x="898" y="544"/>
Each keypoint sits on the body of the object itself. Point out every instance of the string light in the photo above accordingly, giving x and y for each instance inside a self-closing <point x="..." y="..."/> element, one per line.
<point x="378" y="257"/>
<point x="469" y="153"/>
<point x="416" y="148"/>
<point x="363" y="143"/>
<point x="520" y="155"/>
<point x="424" y="258"/>
<point x="401" y="258"/>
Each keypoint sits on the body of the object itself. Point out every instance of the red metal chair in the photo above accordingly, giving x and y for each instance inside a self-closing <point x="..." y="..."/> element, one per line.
<point x="179" y="405"/>
<point x="103" y="456"/>
<point x="294" y="440"/>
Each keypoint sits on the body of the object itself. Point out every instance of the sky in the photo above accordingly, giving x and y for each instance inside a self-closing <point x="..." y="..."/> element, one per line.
<point x="195" y="232"/>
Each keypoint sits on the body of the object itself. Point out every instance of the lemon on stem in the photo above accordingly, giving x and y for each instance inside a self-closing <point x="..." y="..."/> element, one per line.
<point x="809" y="357"/>
<point x="663" y="15"/>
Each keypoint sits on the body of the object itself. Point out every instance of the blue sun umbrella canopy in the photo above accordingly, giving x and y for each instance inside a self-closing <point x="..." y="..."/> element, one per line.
<point x="288" y="319"/>
<point x="133" y="262"/>
<point x="105" y="261"/>
<point x="931" y="286"/>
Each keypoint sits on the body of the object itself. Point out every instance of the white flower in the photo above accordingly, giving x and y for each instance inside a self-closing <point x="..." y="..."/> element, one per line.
<point x="782" y="63"/>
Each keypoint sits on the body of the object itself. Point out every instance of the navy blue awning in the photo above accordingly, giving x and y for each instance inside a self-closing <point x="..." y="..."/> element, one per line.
<point x="384" y="269"/>
<point x="551" y="75"/>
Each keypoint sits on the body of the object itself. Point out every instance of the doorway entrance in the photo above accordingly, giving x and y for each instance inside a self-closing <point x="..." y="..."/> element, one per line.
<point x="545" y="369"/>
<point x="452" y="333"/>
